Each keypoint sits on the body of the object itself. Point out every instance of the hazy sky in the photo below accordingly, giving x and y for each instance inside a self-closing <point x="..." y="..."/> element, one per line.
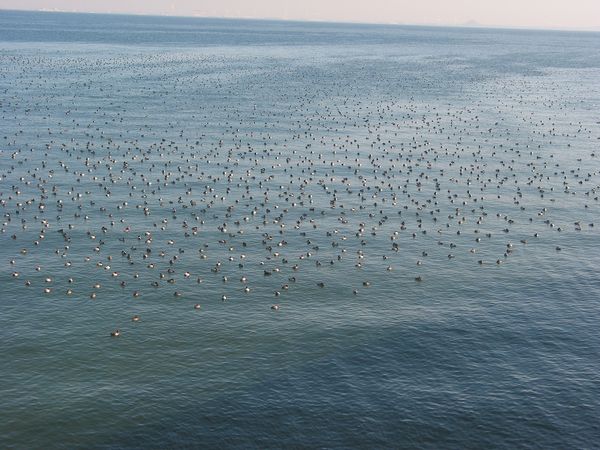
<point x="519" y="13"/>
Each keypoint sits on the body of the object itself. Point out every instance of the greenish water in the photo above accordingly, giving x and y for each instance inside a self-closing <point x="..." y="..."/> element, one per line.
<point x="315" y="160"/>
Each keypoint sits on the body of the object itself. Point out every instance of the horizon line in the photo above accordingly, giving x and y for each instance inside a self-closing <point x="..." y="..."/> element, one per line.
<point x="467" y="24"/>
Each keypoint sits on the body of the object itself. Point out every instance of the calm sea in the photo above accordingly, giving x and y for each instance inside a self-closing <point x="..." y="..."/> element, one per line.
<point x="420" y="203"/>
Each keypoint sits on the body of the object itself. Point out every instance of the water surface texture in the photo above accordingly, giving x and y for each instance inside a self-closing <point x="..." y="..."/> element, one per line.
<point x="333" y="236"/>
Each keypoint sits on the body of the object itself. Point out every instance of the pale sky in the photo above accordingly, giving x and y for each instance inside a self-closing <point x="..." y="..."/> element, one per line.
<point x="567" y="14"/>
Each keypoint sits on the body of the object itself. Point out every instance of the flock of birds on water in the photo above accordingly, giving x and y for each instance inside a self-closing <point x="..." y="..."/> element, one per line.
<point x="269" y="178"/>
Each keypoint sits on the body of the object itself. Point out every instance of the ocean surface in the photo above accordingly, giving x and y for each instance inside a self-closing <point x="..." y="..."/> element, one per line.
<point x="308" y="235"/>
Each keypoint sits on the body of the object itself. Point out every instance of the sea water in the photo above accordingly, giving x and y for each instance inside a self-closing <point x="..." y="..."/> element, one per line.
<point x="297" y="154"/>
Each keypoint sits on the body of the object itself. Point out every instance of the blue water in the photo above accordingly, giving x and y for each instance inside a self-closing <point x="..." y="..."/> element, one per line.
<point x="368" y="169"/>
